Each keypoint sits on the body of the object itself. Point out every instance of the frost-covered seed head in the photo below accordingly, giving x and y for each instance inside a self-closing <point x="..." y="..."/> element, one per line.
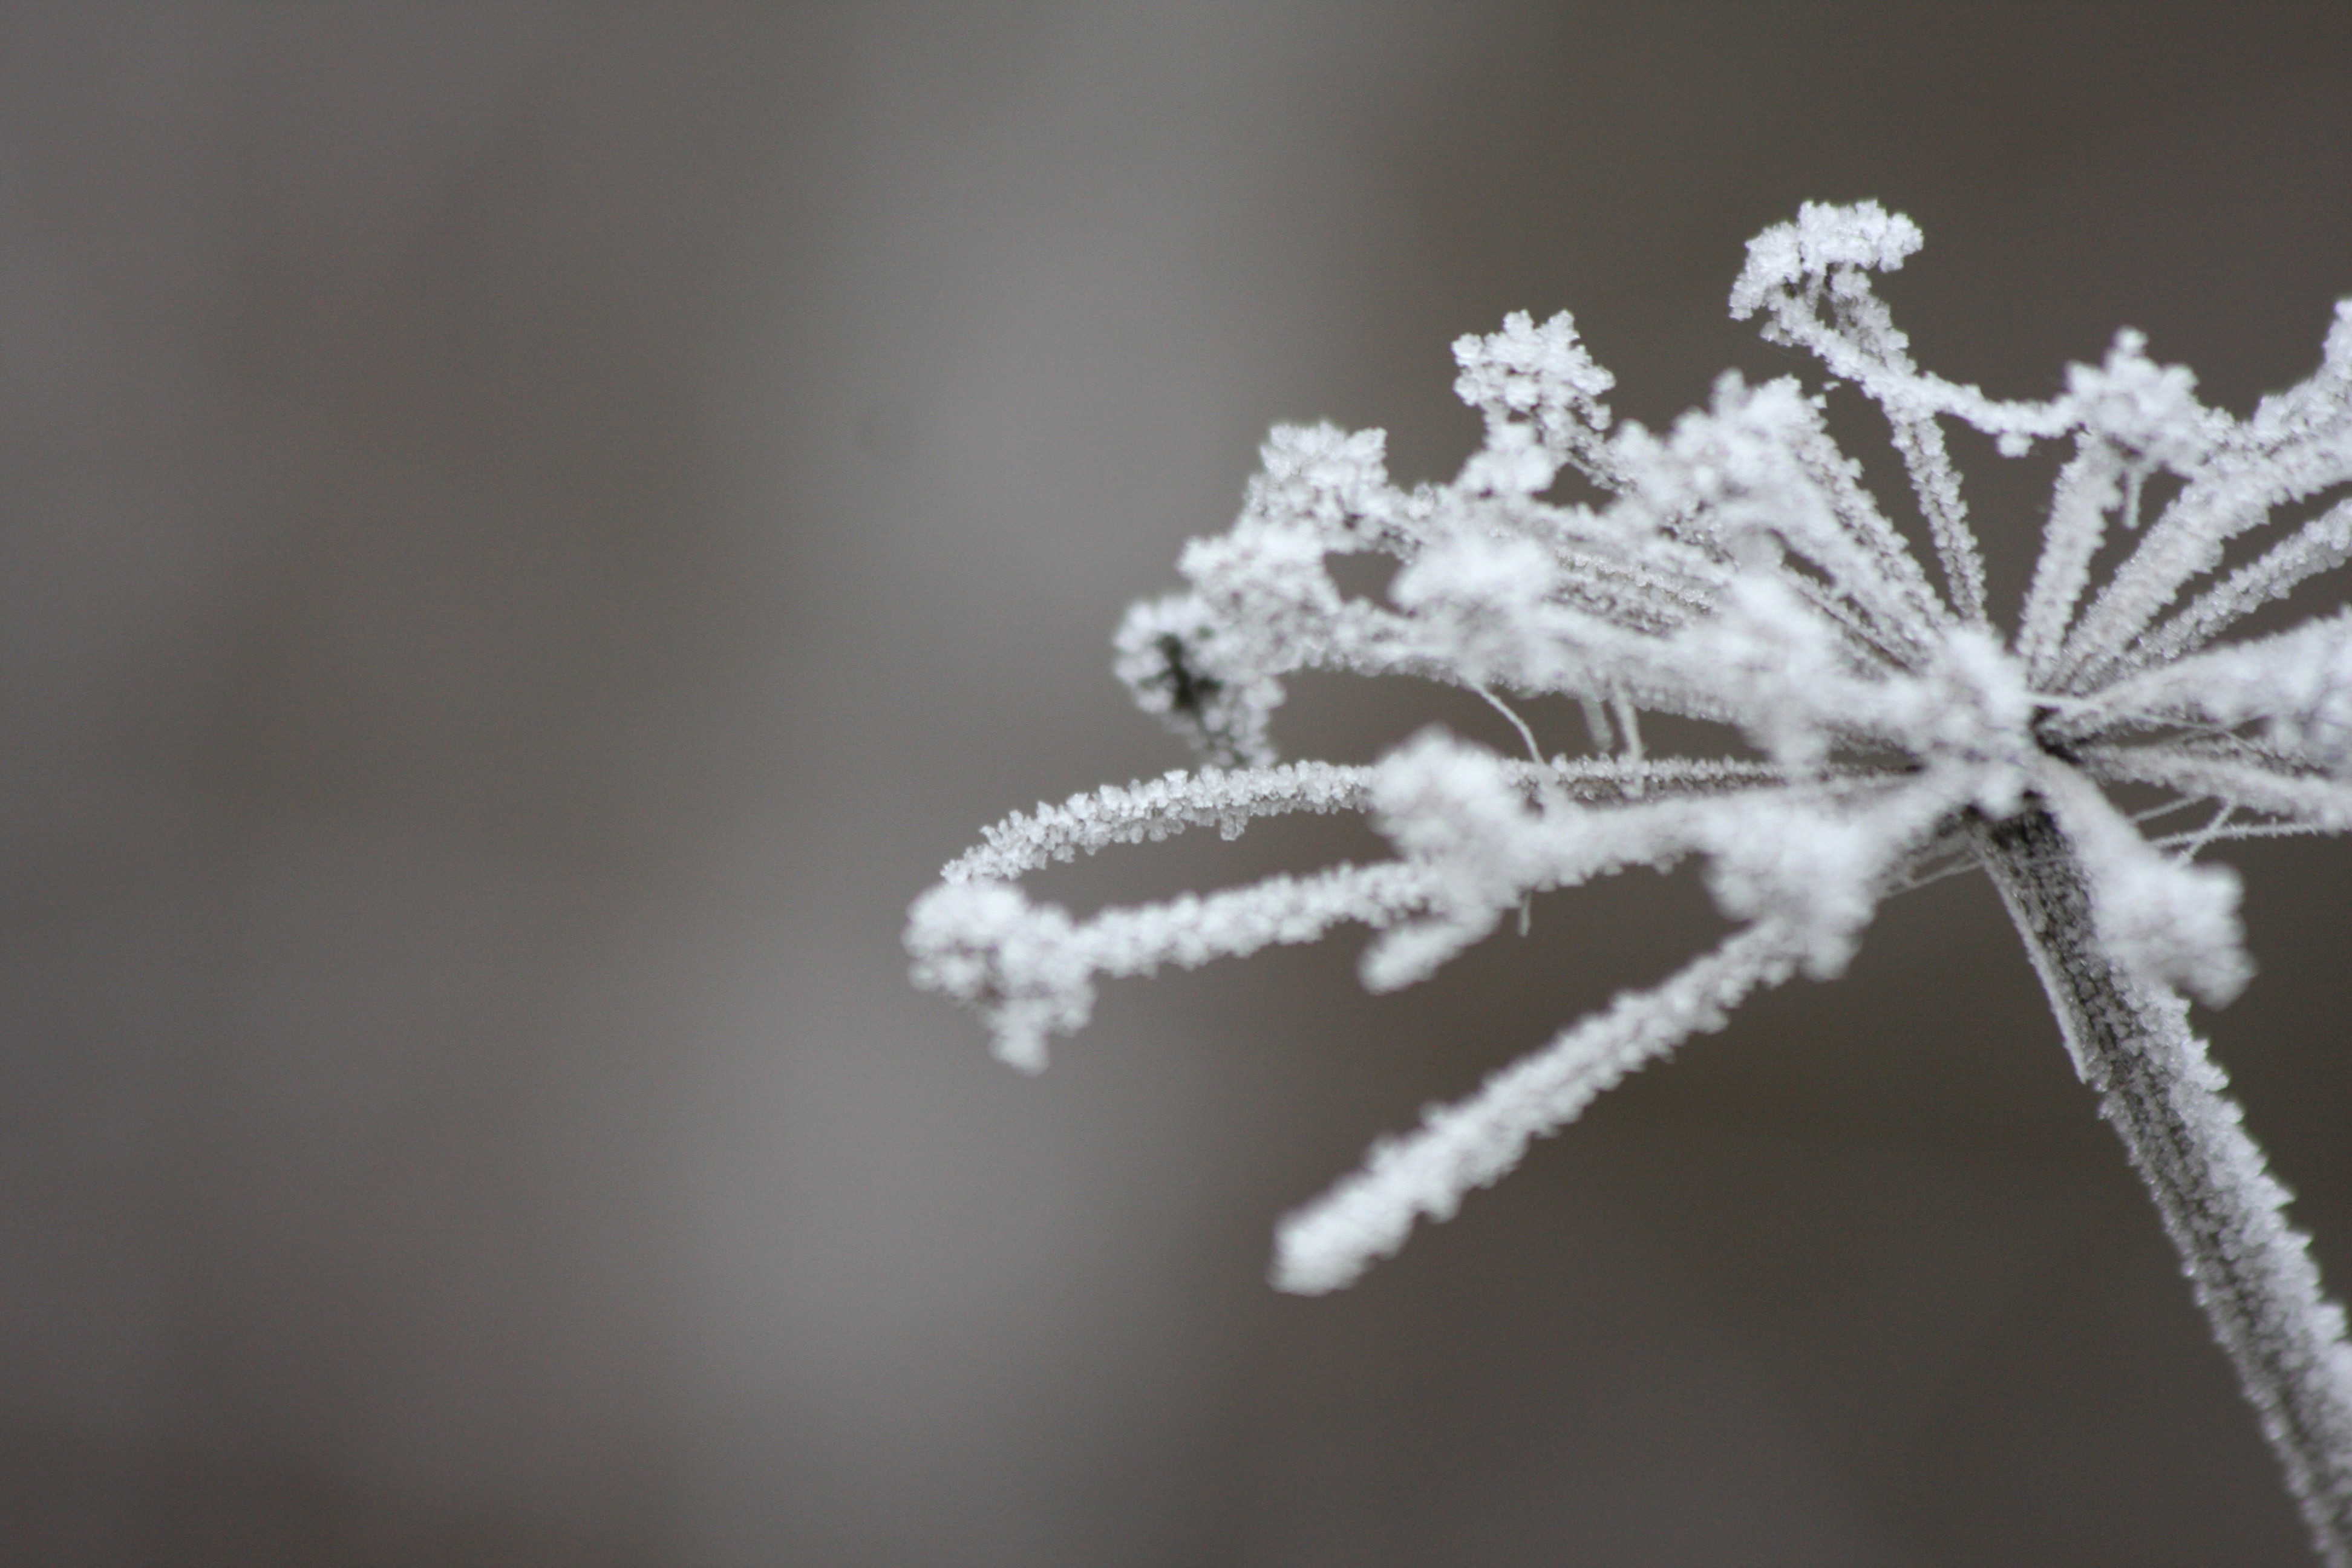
<point x="1735" y="570"/>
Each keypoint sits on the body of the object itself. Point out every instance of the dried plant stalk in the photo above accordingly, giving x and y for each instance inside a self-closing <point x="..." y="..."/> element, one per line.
<point x="2252" y="1271"/>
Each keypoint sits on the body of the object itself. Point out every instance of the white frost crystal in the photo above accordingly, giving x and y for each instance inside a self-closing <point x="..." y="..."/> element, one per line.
<point x="1740" y="572"/>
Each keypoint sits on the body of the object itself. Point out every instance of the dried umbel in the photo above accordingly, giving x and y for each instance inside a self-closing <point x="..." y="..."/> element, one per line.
<point x="1739" y="572"/>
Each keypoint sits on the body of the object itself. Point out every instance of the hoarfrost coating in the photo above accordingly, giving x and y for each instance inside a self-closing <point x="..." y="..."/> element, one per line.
<point x="1740" y="572"/>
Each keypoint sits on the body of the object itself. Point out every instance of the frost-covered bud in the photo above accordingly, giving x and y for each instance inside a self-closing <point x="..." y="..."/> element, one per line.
<point x="1787" y="254"/>
<point x="1326" y="481"/>
<point x="1180" y="662"/>
<point x="1792" y="687"/>
<point x="1540" y="393"/>
<point x="2176" y="924"/>
<point x="1454" y="808"/>
<point x="2151" y="410"/>
<point x="986" y="945"/>
<point x="1974" y="711"/>
<point x="1815" y="872"/>
<point x="1525" y="369"/>
<point x="1484" y="606"/>
<point x="1512" y="462"/>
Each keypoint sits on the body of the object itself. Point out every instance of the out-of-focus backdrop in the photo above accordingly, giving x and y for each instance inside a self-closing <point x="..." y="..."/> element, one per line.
<point x="530" y="533"/>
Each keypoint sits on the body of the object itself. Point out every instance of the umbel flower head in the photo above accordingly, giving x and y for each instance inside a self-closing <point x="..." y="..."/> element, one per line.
<point x="1738" y="571"/>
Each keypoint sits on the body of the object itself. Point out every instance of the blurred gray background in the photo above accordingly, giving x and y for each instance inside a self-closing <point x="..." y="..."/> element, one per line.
<point x="530" y="533"/>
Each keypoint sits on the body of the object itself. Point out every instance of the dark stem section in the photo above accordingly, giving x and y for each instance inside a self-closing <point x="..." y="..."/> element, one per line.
<point x="2131" y="1042"/>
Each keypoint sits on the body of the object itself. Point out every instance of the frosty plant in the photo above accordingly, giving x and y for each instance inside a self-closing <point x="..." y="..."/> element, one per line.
<point x="1739" y="573"/>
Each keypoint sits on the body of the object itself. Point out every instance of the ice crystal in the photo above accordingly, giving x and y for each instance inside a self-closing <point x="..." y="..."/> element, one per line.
<point x="1740" y="572"/>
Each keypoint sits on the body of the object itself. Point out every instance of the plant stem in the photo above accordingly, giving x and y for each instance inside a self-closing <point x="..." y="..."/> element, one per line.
<point x="2131" y="1043"/>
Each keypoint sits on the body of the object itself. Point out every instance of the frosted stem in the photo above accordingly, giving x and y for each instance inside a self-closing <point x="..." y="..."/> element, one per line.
<point x="2250" y="1270"/>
